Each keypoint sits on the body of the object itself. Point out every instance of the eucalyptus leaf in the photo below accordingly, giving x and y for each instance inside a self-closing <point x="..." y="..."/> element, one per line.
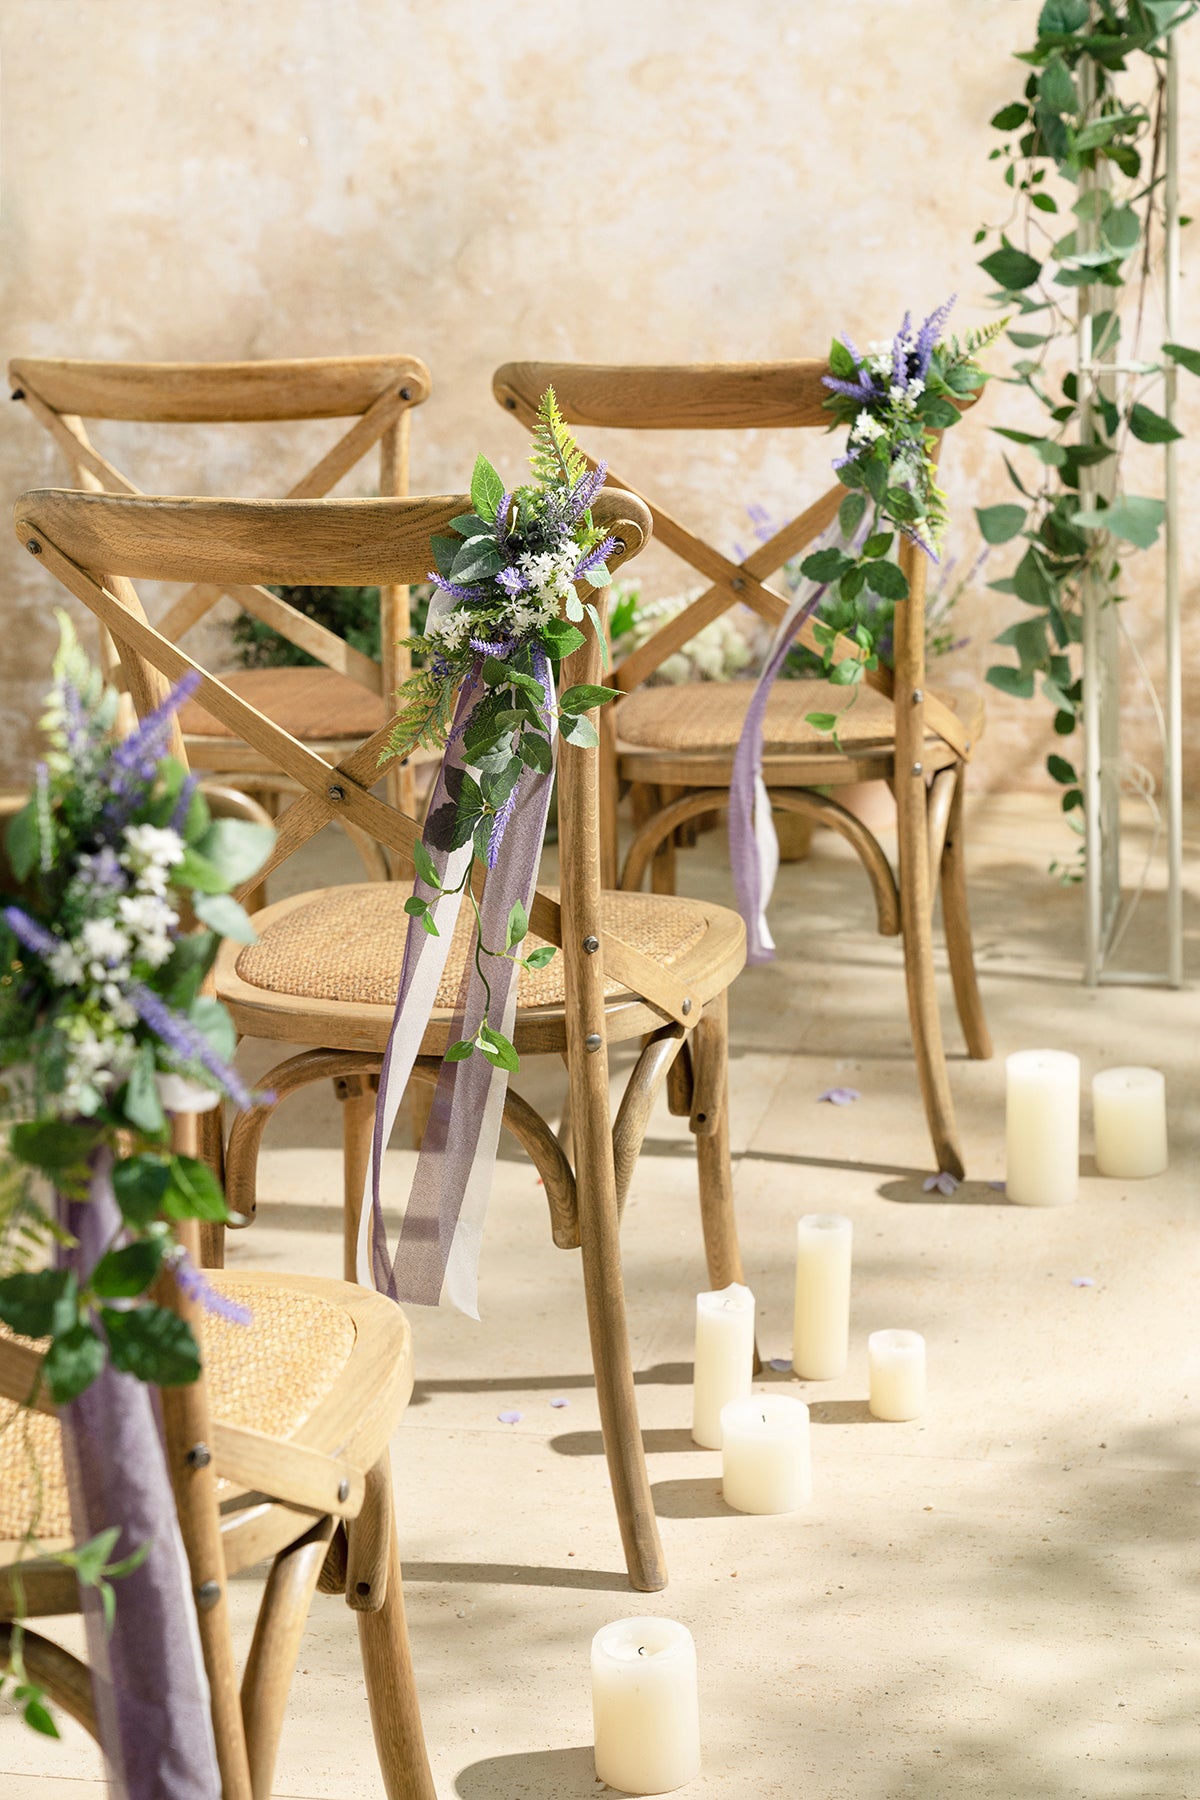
<point x="1011" y="681"/>
<point x="1150" y="427"/>
<point x="1134" y="518"/>
<point x="998" y="524"/>
<point x="1012" y="268"/>
<point x="226" y="917"/>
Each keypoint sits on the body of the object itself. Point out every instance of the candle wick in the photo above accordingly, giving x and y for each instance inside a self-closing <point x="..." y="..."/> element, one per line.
<point x="641" y="1649"/>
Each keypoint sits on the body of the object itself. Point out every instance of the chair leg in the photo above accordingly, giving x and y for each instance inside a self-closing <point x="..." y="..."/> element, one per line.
<point x="276" y="1646"/>
<point x="710" y="1124"/>
<point x="392" y="1694"/>
<point x="357" y="1094"/>
<point x="925" y="1019"/>
<point x="956" y="921"/>
<point x="714" y="1168"/>
<point x="604" y="1289"/>
<point x="211" y="1149"/>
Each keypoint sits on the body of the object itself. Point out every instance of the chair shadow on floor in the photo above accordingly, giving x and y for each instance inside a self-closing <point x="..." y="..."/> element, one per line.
<point x="533" y="1774"/>
<point x="911" y="1192"/>
<point x="691" y="1497"/>
<point x="675" y="1374"/>
<point x="613" y="1581"/>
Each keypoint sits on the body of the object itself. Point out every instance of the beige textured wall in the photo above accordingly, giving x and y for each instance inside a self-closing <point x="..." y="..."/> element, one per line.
<point x="648" y="180"/>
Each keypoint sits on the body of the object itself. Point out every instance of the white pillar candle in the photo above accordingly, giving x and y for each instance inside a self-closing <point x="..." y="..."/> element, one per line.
<point x="897" y="1361"/>
<point x="1129" y="1109"/>
<point x="1042" y="1127"/>
<point x="821" y="1329"/>
<point x="766" y="1462"/>
<point x="645" y="1706"/>
<point x="724" y="1365"/>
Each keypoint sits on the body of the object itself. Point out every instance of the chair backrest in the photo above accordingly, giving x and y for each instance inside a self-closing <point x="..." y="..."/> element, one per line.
<point x="720" y="397"/>
<point x="96" y="543"/>
<point x="377" y="392"/>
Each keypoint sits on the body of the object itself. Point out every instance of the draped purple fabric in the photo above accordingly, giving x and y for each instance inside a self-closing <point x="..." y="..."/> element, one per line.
<point x="152" y="1698"/>
<point x="437" y="1253"/>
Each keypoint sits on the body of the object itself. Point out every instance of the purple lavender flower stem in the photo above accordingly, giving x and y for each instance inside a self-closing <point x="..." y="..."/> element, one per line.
<point x="196" y="1286"/>
<point x="188" y="1042"/>
<point x="594" y="558"/>
<point x="29" y="934"/>
<point x="183" y="805"/>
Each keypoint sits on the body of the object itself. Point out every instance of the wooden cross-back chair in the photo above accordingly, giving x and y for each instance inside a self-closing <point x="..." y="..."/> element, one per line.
<point x="674" y="745"/>
<point x="279" y="1451"/>
<point x="346" y="696"/>
<point x="325" y="970"/>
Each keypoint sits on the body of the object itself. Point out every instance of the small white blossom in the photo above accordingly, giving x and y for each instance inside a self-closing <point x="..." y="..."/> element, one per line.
<point x="65" y="965"/>
<point x="450" y="631"/>
<point x="103" y="940"/>
<point x="866" y="429"/>
<point x="123" y="1013"/>
<point x="152" y="846"/>
<point x="916" y="388"/>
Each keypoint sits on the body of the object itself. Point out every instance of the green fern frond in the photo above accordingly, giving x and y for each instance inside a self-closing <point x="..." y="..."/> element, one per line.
<point x="426" y="709"/>
<point x="556" y="458"/>
<point x="980" y="336"/>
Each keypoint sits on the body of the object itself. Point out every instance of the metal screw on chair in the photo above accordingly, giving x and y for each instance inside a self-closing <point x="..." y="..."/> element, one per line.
<point x="17" y="394"/>
<point x="335" y="794"/>
<point x="198" y="1457"/>
<point x="511" y="404"/>
<point x="592" y="1041"/>
<point x="966" y="743"/>
<point x="406" y="393"/>
<point x="737" y="584"/>
<point x="207" y="1595"/>
<point x="686" y="1008"/>
<point x="917" y="769"/>
<point x="362" y="1588"/>
<point x="590" y="946"/>
<point x="34" y="548"/>
<point x="343" y="1490"/>
<point x="918" y="695"/>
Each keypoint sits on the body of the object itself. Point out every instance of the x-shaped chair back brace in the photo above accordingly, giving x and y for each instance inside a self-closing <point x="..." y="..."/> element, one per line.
<point x="708" y="397"/>
<point x="227" y="544"/>
<point x="378" y="392"/>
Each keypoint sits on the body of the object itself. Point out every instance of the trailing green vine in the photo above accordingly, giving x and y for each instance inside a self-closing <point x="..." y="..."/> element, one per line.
<point x="1074" y="262"/>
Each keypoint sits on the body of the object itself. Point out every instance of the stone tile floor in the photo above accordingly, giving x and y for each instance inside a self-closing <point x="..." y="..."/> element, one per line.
<point x="996" y="1601"/>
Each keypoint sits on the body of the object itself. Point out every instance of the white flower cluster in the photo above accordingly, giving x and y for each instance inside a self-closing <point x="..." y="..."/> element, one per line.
<point x="131" y="923"/>
<point x="549" y="571"/>
<point x="718" y="652"/>
<point x="451" y="630"/>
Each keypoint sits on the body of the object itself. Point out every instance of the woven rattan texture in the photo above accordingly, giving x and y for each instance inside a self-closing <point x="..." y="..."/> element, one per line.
<point x="310" y="704"/>
<point x="269" y="1375"/>
<point x="348" y="945"/>
<point x="709" y="715"/>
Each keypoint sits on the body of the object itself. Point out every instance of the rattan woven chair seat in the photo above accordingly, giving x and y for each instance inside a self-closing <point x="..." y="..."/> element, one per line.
<point x="709" y="716"/>
<point x="347" y="944"/>
<point x="311" y="704"/>
<point x="269" y="1376"/>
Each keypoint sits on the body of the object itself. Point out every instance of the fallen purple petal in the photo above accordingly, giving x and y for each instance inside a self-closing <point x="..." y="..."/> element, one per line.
<point x="840" y="1096"/>
<point x="780" y="1363"/>
<point x="1082" y="1281"/>
<point x="941" y="1183"/>
<point x="560" y="1402"/>
<point x="510" y="1418"/>
<point x="997" y="1187"/>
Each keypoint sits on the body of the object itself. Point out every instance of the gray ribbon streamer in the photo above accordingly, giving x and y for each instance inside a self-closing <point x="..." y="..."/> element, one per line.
<point x="151" y="1692"/>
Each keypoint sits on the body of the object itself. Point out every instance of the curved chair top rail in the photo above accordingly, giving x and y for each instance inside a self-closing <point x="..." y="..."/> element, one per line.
<point x="672" y="397"/>
<point x="317" y="387"/>
<point x="374" y="542"/>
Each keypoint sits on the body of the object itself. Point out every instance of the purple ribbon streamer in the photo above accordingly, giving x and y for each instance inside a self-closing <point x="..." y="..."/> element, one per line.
<point x="744" y="857"/>
<point x="151" y="1692"/>
<point x="438" y="1245"/>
